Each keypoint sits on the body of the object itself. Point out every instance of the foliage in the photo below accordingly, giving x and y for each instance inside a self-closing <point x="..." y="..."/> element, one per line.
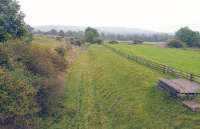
<point x="137" y="41"/>
<point x="12" y="23"/>
<point x="76" y="41"/>
<point x="5" y="60"/>
<point x="91" y="35"/>
<point x="113" y="42"/>
<point x="35" y="68"/>
<point x="54" y="32"/>
<point x="157" y="37"/>
<point x="175" y="43"/>
<point x="191" y="38"/>
<point x="61" y="33"/>
<point x="38" y="60"/>
<point x="17" y="97"/>
<point x="61" y="50"/>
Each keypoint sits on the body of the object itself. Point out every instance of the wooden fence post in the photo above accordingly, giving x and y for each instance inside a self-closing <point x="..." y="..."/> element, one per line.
<point x="164" y="69"/>
<point x="191" y="77"/>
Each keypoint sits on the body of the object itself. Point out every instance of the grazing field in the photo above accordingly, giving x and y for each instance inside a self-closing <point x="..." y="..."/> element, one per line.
<point x="106" y="91"/>
<point x="186" y="60"/>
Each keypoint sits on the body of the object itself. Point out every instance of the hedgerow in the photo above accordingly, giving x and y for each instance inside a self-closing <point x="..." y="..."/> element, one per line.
<point x="30" y="82"/>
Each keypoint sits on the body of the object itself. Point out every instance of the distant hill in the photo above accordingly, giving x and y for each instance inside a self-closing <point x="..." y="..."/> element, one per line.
<point x="107" y="30"/>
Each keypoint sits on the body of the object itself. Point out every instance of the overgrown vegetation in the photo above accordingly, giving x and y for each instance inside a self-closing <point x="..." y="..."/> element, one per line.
<point x="18" y="104"/>
<point x="30" y="82"/>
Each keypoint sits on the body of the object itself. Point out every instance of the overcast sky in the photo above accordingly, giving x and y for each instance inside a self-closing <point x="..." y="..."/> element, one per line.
<point x="156" y="15"/>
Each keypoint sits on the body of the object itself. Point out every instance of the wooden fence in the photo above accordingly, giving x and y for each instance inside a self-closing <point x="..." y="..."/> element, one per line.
<point x="157" y="66"/>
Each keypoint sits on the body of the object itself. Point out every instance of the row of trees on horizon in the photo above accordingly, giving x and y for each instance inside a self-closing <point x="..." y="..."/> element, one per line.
<point x="156" y="37"/>
<point x="12" y="26"/>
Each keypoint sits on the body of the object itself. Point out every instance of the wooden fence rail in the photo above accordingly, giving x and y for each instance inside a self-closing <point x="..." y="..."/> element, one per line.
<point x="157" y="66"/>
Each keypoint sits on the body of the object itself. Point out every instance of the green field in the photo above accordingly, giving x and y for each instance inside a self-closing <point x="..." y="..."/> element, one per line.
<point x="186" y="60"/>
<point x="106" y="91"/>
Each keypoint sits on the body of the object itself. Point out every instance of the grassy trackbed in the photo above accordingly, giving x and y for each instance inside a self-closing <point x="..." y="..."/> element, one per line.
<point x="106" y="91"/>
<point x="186" y="60"/>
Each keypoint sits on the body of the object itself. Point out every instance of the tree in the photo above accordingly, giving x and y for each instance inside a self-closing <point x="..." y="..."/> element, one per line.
<point x="61" y="33"/>
<point x="53" y="32"/>
<point x="191" y="38"/>
<point x="12" y="23"/>
<point x="91" y="35"/>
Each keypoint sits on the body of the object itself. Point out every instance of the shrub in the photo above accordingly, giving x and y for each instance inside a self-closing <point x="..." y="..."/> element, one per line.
<point x="38" y="60"/>
<point x="137" y="42"/>
<point x="48" y="95"/>
<point x="61" y="50"/>
<point x="113" y="42"/>
<point x="48" y="64"/>
<point x="17" y="98"/>
<point x="76" y="41"/>
<point x="174" y="43"/>
<point x="4" y="57"/>
<point x="32" y="80"/>
<point x="98" y="41"/>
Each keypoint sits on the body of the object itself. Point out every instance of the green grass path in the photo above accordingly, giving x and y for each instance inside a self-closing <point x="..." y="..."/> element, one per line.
<point x="106" y="91"/>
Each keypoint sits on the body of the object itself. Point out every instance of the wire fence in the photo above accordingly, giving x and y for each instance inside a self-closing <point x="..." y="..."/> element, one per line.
<point x="157" y="66"/>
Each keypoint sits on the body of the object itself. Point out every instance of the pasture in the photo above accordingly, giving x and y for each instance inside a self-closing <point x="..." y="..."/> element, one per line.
<point x="183" y="59"/>
<point x="104" y="90"/>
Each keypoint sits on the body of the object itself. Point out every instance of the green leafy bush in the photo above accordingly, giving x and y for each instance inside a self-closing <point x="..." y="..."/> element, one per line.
<point x="190" y="37"/>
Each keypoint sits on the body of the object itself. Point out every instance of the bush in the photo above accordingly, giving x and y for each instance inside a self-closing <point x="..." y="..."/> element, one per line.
<point x="39" y="60"/>
<point x="61" y="51"/>
<point x="76" y="41"/>
<point x="113" y="42"/>
<point x="137" y="42"/>
<point x="47" y="64"/>
<point x="30" y="81"/>
<point x="17" y="98"/>
<point x="4" y="58"/>
<point x="98" y="41"/>
<point x="174" y="43"/>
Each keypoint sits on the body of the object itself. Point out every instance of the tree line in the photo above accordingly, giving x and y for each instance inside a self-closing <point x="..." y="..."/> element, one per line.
<point x="157" y="37"/>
